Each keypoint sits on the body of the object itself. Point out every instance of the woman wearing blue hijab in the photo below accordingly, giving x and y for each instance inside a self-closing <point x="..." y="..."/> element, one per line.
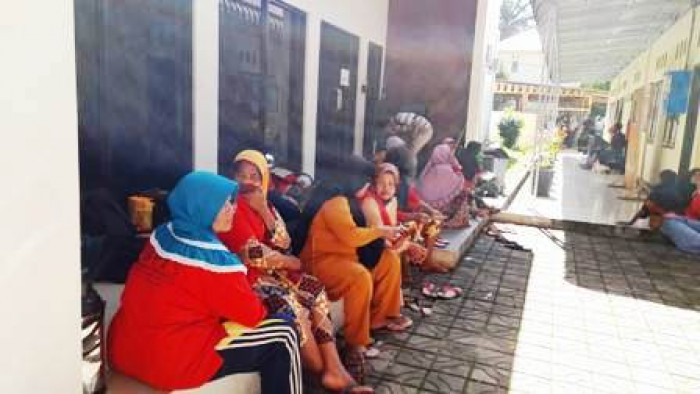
<point x="188" y="314"/>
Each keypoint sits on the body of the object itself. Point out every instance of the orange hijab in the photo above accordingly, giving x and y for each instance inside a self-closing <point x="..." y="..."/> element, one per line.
<point x="257" y="159"/>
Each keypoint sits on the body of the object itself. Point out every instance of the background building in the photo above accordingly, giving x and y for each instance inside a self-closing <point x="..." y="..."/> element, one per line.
<point x="520" y="59"/>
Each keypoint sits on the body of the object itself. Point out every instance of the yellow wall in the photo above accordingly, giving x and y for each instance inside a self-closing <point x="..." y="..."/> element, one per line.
<point x="667" y="53"/>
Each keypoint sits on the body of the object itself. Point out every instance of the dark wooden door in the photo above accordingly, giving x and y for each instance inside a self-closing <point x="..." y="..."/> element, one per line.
<point x="261" y="79"/>
<point x="337" y="91"/>
<point x="374" y="78"/>
<point x="134" y="65"/>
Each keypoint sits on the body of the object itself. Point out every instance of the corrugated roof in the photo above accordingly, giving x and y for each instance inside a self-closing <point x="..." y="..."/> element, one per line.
<point x="594" y="40"/>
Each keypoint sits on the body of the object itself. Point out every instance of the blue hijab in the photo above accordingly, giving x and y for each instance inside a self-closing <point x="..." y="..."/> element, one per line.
<point x="189" y="238"/>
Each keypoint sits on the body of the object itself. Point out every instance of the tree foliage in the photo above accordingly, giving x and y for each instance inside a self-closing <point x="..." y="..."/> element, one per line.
<point x="516" y="16"/>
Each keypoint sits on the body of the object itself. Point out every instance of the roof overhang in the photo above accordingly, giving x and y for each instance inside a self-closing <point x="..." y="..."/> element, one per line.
<point x="593" y="40"/>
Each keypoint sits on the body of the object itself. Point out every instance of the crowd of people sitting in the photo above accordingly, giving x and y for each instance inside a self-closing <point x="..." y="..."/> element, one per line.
<point x="224" y="287"/>
<point x="673" y="207"/>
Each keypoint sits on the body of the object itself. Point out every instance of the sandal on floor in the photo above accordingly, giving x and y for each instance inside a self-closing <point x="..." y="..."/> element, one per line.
<point x="399" y="324"/>
<point x="430" y="290"/>
<point x="447" y="294"/>
<point x="456" y="289"/>
<point x="372" y="352"/>
<point x="416" y="306"/>
<point x="395" y="324"/>
<point x="356" y="388"/>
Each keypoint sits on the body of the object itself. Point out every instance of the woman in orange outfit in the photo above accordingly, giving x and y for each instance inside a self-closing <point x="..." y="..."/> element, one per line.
<point x="351" y="260"/>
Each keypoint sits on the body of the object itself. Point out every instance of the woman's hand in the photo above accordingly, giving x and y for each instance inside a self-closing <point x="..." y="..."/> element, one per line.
<point x="421" y="217"/>
<point x="257" y="201"/>
<point x="437" y="215"/>
<point x="388" y="232"/>
<point x="401" y="246"/>
<point x="291" y="263"/>
<point x="282" y="241"/>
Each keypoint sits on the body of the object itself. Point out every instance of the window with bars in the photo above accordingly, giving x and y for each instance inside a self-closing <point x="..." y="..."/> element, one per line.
<point x="670" y="132"/>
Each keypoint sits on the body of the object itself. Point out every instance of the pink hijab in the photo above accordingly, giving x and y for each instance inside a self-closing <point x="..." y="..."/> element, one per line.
<point x="441" y="180"/>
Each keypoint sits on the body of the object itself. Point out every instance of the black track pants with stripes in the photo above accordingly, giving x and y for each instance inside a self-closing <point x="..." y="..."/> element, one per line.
<point x="271" y="349"/>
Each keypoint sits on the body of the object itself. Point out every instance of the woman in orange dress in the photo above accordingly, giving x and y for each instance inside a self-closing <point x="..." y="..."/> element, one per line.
<point x="350" y="259"/>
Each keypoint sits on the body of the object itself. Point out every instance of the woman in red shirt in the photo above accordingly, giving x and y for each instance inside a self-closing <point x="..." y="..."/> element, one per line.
<point x="693" y="209"/>
<point x="277" y="278"/>
<point x="188" y="314"/>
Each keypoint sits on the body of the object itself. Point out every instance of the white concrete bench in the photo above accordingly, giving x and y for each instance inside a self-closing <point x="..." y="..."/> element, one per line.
<point x="248" y="383"/>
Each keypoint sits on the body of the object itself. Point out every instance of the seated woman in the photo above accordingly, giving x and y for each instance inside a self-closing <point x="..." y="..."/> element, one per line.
<point x="187" y="302"/>
<point x="409" y="204"/>
<point x="667" y="196"/>
<point x="276" y="277"/>
<point x="442" y="186"/>
<point x="684" y="230"/>
<point x="470" y="160"/>
<point x="379" y="206"/>
<point x="330" y="238"/>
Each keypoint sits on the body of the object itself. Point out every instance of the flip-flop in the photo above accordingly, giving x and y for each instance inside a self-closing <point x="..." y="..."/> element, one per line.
<point x="395" y="324"/>
<point x="456" y="289"/>
<point x="356" y="388"/>
<point x="416" y="307"/>
<point x="447" y="294"/>
<point x="372" y="352"/>
<point x="399" y="324"/>
<point x="430" y="290"/>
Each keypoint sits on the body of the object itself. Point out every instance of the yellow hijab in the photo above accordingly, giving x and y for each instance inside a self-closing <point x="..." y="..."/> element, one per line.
<point x="257" y="159"/>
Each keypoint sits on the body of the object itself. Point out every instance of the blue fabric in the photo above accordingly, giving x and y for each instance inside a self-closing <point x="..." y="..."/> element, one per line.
<point x="194" y="204"/>
<point x="678" y="96"/>
<point x="684" y="233"/>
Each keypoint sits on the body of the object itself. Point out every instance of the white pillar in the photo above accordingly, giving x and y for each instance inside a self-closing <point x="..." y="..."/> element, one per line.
<point x="40" y="236"/>
<point x="361" y="101"/>
<point x="481" y="80"/>
<point x="311" y="75"/>
<point x="205" y="84"/>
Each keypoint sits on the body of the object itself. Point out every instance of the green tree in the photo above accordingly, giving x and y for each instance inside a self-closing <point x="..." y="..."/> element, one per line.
<point x="516" y="16"/>
<point x="600" y="85"/>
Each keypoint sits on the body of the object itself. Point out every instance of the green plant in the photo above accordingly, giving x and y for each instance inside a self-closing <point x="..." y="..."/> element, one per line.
<point x="509" y="129"/>
<point x="550" y="152"/>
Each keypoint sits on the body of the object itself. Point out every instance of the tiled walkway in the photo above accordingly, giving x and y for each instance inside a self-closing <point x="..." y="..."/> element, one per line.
<point x="582" y="313"/>
<point x="577" y="195"/>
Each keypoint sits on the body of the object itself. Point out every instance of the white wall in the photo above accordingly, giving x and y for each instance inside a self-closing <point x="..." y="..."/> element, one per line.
<point x="529" y="69"/>
<point x="483" y="70"/>
<point x="367" y="19"/>
<point x="39" y="236"/>
<point x="205" y="84"/>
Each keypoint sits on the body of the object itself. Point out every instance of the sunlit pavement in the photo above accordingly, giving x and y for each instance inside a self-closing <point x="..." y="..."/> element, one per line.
<point x="582" y="313"/>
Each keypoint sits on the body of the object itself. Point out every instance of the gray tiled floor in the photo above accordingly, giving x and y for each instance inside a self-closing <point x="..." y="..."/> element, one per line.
<point x="582" y="313"/>
<point x="577" y="195"/>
